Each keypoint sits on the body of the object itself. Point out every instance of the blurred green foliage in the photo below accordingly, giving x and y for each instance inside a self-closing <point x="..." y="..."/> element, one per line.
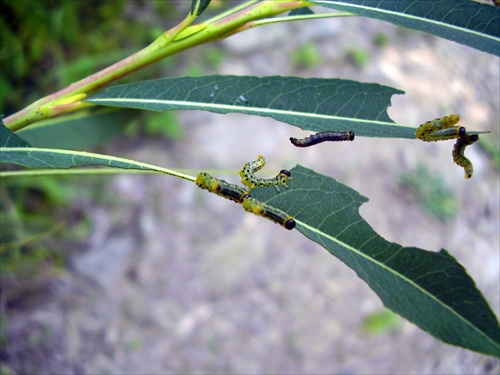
<point x="46" y="45"/>
<point x="381" y="322"/>
<point x="29" y="211"/>
<point x="489" y="144"/>
<point x="306" y="55"/>
<point x="437" y="200"/>
<point x="358" y="56"/>
<point x="4" y="370"/>
<point x="380" y="40"/>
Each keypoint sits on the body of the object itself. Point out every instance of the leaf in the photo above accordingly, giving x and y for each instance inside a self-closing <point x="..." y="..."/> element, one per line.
<point x="199" y="6"/>
<point x="79" y="130"/>
<point x="463" y="21"/>
<point x="9" y="139"/>
<point x="309" y="103"/>
<point x="17" y="151"/>
<point x="57" y="158"/>
<point x="301" y="12"/>
<point x="429" y="289"/>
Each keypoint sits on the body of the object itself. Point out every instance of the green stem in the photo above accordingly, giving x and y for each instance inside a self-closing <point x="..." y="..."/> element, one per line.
<point x="168" y="44"/>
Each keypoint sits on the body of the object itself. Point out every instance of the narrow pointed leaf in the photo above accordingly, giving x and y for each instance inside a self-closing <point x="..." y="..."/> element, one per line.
<point x="463" y="21"/>
<point x="34" y="157"/>
<point x="308" y="103"/>
<point x="429" y="289"/>
<point x="17" y="151"/>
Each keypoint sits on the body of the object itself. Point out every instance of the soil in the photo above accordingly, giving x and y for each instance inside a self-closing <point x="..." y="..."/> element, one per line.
<point x="175" y="280"/>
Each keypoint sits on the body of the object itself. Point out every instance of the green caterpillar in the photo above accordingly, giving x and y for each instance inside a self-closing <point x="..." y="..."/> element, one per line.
<point x="249" y="180"/>
<point x="459" y="153"/>
<point x="440" y="129"/>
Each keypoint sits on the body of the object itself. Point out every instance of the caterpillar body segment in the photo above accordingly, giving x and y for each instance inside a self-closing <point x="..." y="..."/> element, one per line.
<point x="239" y="195"/>
<point x="459" y="153"/>
<point x="248" y="178"/>
<point x="440" y="129"/>
<point x="246" y="173"/>
<point x="251" y="204"/>
<point x="323" y="137"/>
<point x="221" y="187"/>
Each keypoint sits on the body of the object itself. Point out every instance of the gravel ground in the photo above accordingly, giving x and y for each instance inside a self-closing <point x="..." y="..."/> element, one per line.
<point x="175" y="280"/>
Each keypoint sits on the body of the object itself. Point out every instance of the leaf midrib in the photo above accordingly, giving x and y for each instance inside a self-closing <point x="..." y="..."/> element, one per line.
<point x="401" y="276"/>
<point x="421" y="19"/>
<point x="97" y="156"/>
<point x="246" y="109"/>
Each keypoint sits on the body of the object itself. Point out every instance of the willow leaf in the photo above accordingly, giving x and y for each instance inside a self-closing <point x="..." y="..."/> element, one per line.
<point x="17" y="151"/>
<point x="430" y="289"/>
<point x="315" y="104"/>
<point x="35" y="157"/>
<point x="463" y="21"/>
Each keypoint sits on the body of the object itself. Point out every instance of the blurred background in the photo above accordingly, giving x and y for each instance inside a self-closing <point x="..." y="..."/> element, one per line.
<point x="149" y="274"/>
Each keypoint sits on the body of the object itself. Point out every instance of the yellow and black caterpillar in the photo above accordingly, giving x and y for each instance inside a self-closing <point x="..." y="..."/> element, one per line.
<point x="440" y="129"/>
<point x="240" y="195"/>
<point x="251" y="204"/>
<point x="221" y="187"/>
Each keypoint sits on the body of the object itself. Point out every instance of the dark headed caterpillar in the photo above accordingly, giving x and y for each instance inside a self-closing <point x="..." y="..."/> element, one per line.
<point x="262" y="209"/>
<point x="221" y="187"/>
<point x="459" y="153"/>
<point x="240" y="195"/>
<point x="440" y="129"/>
<point x="322" y="137"/>
<point x="248" y="178"/>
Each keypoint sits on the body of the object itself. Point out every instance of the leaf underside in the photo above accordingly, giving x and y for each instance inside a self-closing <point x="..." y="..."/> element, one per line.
<point x="309" y="103"/>
<point x="15" y="150"/>
<point x="463" y="21"/>
<point x="429" y="289"/>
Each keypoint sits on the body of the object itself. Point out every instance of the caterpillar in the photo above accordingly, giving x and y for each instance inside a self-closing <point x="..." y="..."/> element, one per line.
<point x="221" y="187"/>
<point x="251" y="204"/>
<point x="440" y="129"/>
<point x="249" y="180"/>
<point x="240" y="195"/>
<point x="459" y="153"/>
<point x="322" y="137"/>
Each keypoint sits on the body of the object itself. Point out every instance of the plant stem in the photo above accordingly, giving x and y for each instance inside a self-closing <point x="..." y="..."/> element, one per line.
<point x="178" y="39"/>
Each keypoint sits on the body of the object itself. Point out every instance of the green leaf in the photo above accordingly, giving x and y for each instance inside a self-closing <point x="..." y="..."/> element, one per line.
<point x="309" y="103"/>
<point x="17" y="151"/>
<point x="9" y="139"/>
<point x="429" y="289"/>
<point x="301" y="12"/>
<point x="55" y="158"/>
<point x="199" y="6"/>
<point x="77" y="131"/>
<point x="463" y="21"/>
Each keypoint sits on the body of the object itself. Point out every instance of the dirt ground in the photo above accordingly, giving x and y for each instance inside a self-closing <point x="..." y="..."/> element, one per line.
<point x="175" y="280"/>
